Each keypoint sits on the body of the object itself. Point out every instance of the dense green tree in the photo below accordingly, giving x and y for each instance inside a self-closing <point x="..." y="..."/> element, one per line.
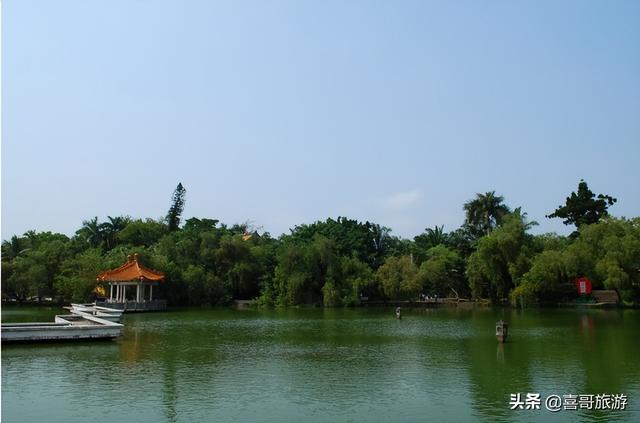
<point x="426" y="240"/>
<point x="174" y="288"/>
<point x="28" y="279"/>
<point x="205" y="287"/>
<point x="461" y="241"/>
<point x="398" y="247"/>
<point x="13" y="248"/>
<point x="195" y="278"/>
<point x="367" y="241"/>
<point x="397" y="276"/>
<point x="177" y="207"/>
<point x="547" y="281"/>
<point x="442" y="273"/>
<point x="303" y="270"/>
<point x="320" y="269"/>
<point x="142" y="232"/>
<point x="383" y="244"/>
<point x="608" y="252"/>
<point x="501" y="259"/>
<point x="358" y="280"/>
<point x="292" y="281"/>
<point x="236" y="264"/>
<point x="34" y="269"/>
<point x="195" y="225"/>
<point x="8" y="268"/>
<point x="332" y="262"/>
<point x="478" y="275"/>
<point x="77" y="277"/>
<point x="349" y="280"/>
<point x="484" y="213"/>
<point x="51" y="255"/>
<point x="551" y="241"/>
<point x="582" y="208"/>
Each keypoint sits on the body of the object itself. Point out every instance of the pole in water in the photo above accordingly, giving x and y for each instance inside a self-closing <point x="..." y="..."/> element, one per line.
<point x="398" y="313"/>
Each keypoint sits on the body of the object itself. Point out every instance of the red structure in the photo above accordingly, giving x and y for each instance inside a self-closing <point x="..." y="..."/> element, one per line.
<point x="132" y="274"/>
<point x="583" y="285"/>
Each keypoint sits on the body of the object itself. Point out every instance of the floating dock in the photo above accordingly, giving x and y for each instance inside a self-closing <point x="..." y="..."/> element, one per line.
<point x="70" y="327"/>
<point x="111" y="314"/>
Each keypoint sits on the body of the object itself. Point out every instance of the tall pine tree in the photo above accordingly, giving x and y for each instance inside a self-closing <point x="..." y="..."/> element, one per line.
<point x="583" y="208"/>
<point x="177" y="206"/>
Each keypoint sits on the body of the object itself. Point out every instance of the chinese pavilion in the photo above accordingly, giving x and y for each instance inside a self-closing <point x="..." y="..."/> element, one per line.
<point x="132" y="274"/>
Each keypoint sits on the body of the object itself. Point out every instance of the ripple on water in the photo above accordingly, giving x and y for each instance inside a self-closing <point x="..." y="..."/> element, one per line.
<point x="344" y="365"/>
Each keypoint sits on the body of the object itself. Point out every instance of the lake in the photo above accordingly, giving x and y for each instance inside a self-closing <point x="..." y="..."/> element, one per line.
<point x="320" y="365"/>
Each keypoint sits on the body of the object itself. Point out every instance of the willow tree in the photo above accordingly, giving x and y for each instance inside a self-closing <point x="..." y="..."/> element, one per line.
<point x="501" y="258"/>
<point x="397" y="276"/>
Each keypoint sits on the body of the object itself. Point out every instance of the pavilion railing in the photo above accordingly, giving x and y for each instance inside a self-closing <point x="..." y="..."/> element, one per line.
<point x="153" y="305"/>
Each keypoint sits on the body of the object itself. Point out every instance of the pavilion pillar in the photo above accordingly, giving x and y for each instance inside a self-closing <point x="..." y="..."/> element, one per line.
<point x="138" y="293"/>
<point x="110" y="292"/>
<point x="150" y="292"/>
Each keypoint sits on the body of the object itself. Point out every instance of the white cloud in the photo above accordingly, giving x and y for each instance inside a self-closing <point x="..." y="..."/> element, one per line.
<point x="401" y="200"/>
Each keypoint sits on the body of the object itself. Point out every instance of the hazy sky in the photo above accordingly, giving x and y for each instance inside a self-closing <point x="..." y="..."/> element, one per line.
<point x="286" y="112"/>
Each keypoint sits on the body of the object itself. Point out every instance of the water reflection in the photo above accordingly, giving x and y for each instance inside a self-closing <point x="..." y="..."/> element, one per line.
<point x="564" y="353"/>
<point x="319" y="365"/>
<point x="500" y="352"/>
<point x="169" y="392"/>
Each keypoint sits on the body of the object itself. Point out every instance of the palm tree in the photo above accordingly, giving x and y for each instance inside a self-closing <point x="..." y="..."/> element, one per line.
<point x="430" y="238"/>
<point x="91" y="231"/>
<point x="13" y="248"/>
<point x="436" y="236"/>
<point x="484" y="213"/>
<point x="32" y="238"/>
<point x="527" y="224"/>
<point x="111" y="228"/>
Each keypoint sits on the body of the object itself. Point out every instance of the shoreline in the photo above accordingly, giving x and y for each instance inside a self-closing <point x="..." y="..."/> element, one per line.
<point x="444" y="302"/>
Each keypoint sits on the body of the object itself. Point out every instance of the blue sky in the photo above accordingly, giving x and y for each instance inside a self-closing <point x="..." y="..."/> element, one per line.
<point x="286" y="112"/>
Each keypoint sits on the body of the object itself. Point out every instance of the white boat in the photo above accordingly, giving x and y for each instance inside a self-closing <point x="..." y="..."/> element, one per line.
<point x="77" y="326"/>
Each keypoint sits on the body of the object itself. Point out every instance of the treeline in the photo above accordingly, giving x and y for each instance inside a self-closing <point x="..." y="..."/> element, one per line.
<point x="338" y="262"/>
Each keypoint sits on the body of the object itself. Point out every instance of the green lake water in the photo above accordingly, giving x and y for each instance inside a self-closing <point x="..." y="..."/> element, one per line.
<point x="325" y="365"/>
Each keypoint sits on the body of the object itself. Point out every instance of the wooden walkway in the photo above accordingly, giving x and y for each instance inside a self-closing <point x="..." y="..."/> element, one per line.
<point x="605" y="296"/>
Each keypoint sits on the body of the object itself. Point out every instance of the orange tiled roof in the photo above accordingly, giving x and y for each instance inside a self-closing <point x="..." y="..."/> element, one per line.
<point x="131" y="271"/>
